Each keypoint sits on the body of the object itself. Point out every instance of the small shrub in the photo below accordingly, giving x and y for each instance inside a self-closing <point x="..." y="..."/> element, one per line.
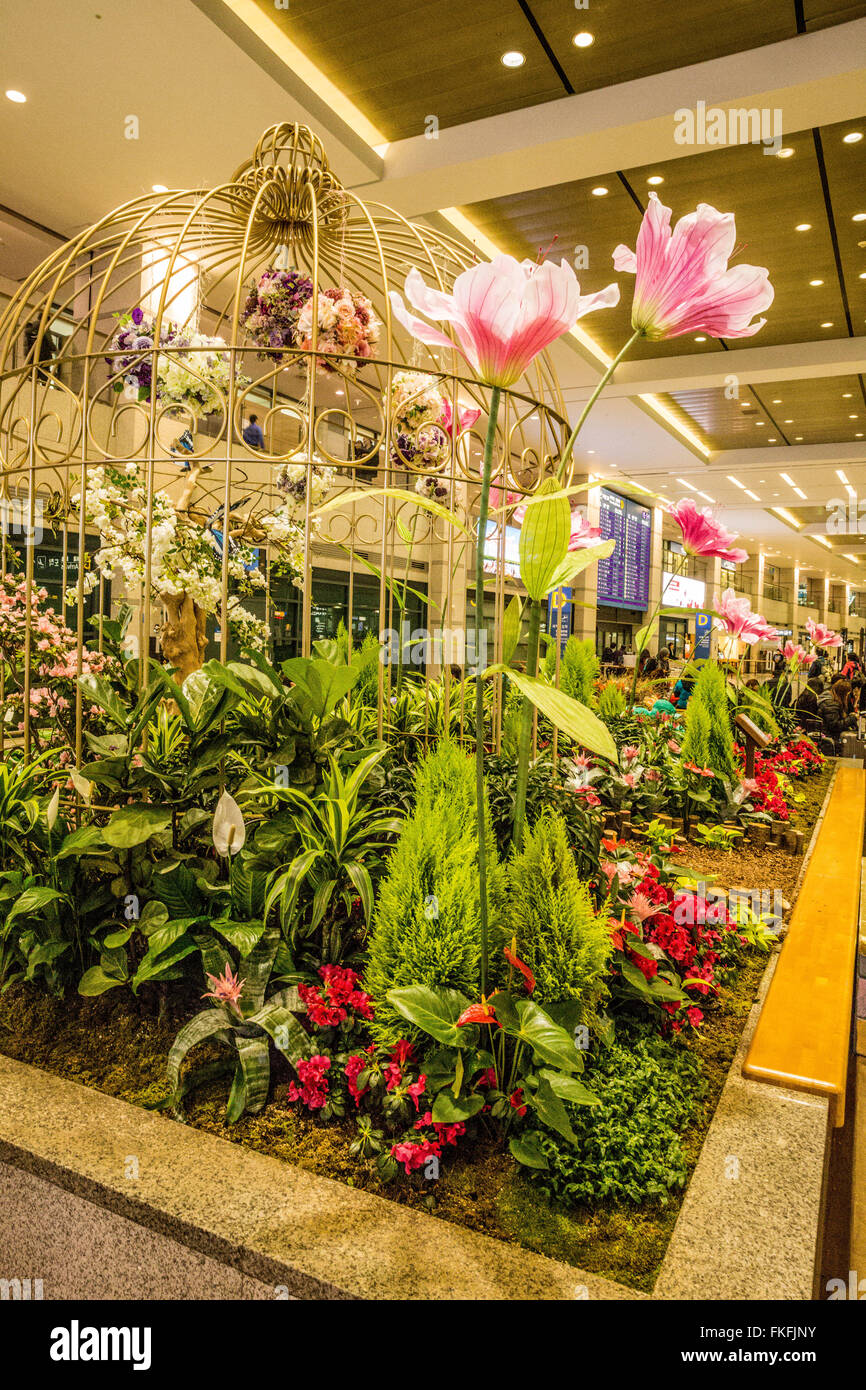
<point x="611" y="701"/>
<point x="550" y="912"/>
<point x="628" y="1146"/>
<point x="425" y="926"/>
<point x="711" y="696"/>
<point x="578" y="668"/>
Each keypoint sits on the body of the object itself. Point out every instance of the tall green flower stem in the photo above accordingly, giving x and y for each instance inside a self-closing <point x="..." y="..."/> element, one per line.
<point x="526" y="716"/>
<point x="602" y="382"/>
<point x="483" y="508"/>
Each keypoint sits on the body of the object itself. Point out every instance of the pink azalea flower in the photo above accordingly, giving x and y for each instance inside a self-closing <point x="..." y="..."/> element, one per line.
<point x="735" y="616"/>
<point x="683" y="283"/>
<point x="821" y="636"/>
<point x="504" y="312"/>
<point x="702" y="534"/>
<point x="582" y="534"/>
<point x="225" y="989"/>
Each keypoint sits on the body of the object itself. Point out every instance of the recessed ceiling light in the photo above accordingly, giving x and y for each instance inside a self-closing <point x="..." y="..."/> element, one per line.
<point x="341" y="393"/>
<point x="590" y="451"/>
<point x="160" y="188"/>
<point x="759" y="423"/>
<point x="846" y="395"/>
<point x="513" y="59"/>
<point x="803" y="227"/>
<point x="852" y="137"/>
<point x="754" y="496"/>
<point x="786" y="516"/>
<point x="599" y="192"/>
<point x="655" y="179"/>
<point x="800" y="493"/>
<point x="853" y="417"/>
<point x="828" y="324"/>
<point x="789" y="422"/>
<point x="706" y="496"/>
<point x="816" y="282"/>
<point x="583" y="39"/>
<point x="858" y="216"/>
<point x="18" y="97"/>
<point x="862" y="275"/>
<point x="771" y="439"/>
<point x="700" y="340"/>
<point x="858" y="435"/>
<point x="785" y="152"/>
<point x="842" y="476"/>
<point x="777" y="401"/>
<point x="798" y="439"/>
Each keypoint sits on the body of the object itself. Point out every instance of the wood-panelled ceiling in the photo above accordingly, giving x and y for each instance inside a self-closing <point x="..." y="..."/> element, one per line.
<point x="401" y="62"/>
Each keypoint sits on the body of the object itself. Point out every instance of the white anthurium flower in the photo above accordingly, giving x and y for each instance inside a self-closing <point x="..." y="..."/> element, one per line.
<point x="229" y="831"/>
<point x="52" y="809"/>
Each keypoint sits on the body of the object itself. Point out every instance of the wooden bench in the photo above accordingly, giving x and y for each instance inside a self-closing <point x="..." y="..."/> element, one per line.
<point x="803" y="1035"/>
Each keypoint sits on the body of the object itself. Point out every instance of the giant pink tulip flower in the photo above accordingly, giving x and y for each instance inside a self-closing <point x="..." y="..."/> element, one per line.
<point x="505" y="312"/>
<point x="797" y="655"/>
<point x="735" y="616"/>
<point x="821" y="636"/>
<point x="702" y="534"/>
<point x="466" y="417"/>
<point x="683" y="282"/>
<point x="582" y="534"/>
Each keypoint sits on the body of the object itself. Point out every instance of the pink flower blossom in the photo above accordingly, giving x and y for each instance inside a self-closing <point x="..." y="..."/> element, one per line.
<point x="466" y="417"/>
<point x="821" y="636"/>
<point x="641" y="908"/>
<point x="225" y="989"/>
<point x="735" y="616"/>
<point x="683" y="283"/>
<point x="504" y="313"/>
<point x="582" y="534"/>
<point x="702" y="534"/>
<point x="797" y="655"/>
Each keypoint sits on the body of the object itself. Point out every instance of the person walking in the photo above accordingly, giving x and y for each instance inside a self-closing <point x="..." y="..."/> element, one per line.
<point x="253" y="435"/>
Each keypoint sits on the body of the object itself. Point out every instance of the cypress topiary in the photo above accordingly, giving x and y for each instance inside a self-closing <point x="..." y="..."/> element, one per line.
<point x="711" y="696"/>
<point x="425" y="925"/>
<point x="550" y="912"/>
<point x="578" y="668"/>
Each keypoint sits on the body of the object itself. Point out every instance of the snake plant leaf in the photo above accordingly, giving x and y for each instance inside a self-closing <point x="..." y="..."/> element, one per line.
<point x="255" y="971"/>
<point x="544" y="539"/>
<point x="254" y="1065"/>
<point x="212" y="1022"/>
<point x="229" y="831"/>
<point x="570" y="716"/>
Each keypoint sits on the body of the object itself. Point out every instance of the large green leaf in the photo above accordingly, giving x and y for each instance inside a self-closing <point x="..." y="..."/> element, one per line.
<point x="511" y="624"/>
<point x="84" y="840"/>
<point x="324" y="685"/>
<point x="99" y="692"/>
<point x="550" y="1109"/>
<point x="95" y="981"/>
<point x="526" y="1148"/>
<point x="31" y="902"/>
<point x="133" y="825"/>
<point x="434" y="1011"/>
<point x="569" y="1088"/>
<point x="579" y="560"/>
<point x="523" y="1019"/>
<point x="161" y="964"/>
<point x="449" y="1109"/>
<point x="569" y="715"/>
<point x="242" y="935"/>
<point x="544" y="539"/>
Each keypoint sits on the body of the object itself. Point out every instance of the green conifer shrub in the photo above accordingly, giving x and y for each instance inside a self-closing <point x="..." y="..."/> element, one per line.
<point x="710" y="695"/>
<point x="425" y="924"/>
<point x="551" y="914"/>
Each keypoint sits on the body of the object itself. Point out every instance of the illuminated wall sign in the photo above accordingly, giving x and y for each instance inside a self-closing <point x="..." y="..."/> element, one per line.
<point x="682" y="592"/>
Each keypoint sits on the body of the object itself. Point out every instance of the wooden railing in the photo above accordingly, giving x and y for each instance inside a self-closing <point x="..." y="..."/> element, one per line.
<point x="803" y="1035"/>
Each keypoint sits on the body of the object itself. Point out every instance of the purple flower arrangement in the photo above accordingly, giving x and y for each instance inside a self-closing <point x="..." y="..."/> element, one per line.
<point x="129" y="351"/>
<point x="270" y="314"/>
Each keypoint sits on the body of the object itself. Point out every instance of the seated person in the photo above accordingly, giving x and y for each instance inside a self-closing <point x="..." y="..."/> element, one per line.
<point x="834" y="710"/>
<point x="807" y="700"/>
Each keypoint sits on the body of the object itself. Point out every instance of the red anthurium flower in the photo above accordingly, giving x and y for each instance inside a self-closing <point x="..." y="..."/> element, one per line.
<point x="477" y="1013"/>
<point x="513" y="960"/>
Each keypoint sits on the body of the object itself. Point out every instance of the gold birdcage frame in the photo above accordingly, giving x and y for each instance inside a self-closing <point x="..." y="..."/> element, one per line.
<point x="61" y="413"/>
